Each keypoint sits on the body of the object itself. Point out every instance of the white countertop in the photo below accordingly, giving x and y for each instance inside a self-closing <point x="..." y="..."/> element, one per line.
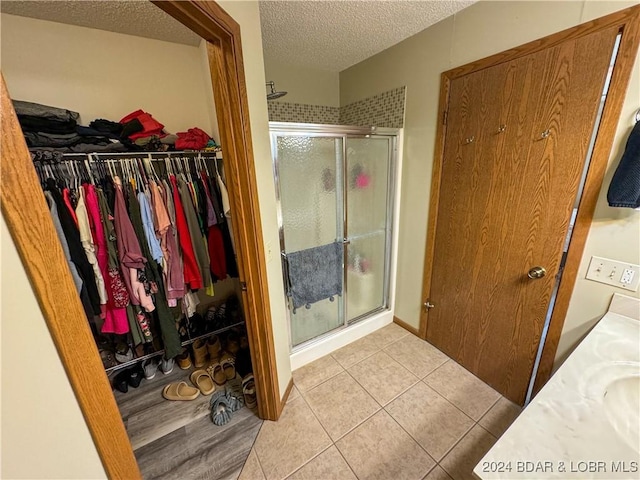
<point x="584" y="423"/>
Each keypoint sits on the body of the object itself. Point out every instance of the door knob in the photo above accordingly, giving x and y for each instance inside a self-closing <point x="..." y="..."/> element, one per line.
<point x="537" y="272"/>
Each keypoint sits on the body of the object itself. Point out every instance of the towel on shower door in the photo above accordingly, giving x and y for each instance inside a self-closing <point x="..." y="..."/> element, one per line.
<point x="315" y="274"/>
<point x="624" y="190"/>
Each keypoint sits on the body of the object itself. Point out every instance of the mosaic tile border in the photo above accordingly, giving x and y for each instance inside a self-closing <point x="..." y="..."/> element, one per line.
<point x="383" y="110"/>
<point x="303" y="113"/>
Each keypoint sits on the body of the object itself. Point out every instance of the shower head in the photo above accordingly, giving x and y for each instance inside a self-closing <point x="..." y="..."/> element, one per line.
<point x="272" y="95"/>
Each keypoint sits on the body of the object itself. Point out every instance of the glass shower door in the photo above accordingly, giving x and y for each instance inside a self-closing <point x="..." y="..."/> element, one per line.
<point x="309" y="170"/>
<point x="368" y="224"/>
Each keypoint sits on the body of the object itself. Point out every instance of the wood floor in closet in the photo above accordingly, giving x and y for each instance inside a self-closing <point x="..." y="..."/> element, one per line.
<point x="177" y="439"/>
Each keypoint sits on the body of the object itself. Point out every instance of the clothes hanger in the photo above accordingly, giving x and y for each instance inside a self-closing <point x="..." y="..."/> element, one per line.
<point x="205" y="164"/>
<point x="88" y="167"/>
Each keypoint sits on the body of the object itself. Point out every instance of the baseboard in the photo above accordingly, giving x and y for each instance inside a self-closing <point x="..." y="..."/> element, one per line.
<point x="406" y="326"/>
<point x="285" y="397"/>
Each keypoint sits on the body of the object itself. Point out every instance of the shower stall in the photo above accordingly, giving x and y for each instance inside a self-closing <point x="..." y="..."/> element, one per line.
<point x="336" y="184"/>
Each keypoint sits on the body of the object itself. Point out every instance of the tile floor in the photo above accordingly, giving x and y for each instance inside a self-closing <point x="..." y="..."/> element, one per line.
<point x="388" y="406"/>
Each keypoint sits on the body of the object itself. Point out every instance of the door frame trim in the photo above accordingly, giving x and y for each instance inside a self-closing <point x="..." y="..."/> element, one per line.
<point x="628" y="20"/>
<point x="35" y="238"/>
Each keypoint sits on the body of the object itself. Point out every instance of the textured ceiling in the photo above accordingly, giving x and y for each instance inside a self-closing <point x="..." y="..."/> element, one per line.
<point x="327" y="35"/>
<point x="334" y="35"/>
<point x="140" y="18"/>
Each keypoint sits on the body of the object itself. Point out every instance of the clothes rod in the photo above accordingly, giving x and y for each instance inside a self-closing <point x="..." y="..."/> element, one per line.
<point x="139" y="154"/>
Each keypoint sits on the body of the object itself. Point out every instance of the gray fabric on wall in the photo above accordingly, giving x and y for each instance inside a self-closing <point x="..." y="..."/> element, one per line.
<point x="315" y="274"/>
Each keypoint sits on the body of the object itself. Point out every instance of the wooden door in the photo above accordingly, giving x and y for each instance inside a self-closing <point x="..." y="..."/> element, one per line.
<point x="516" y="142"/>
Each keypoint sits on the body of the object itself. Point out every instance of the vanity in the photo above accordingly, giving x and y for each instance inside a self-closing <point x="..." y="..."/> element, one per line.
<point x="585" y="422"/>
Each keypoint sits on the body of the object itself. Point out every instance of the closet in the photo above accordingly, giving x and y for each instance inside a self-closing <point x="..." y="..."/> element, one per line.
<point x="149" y="240"/>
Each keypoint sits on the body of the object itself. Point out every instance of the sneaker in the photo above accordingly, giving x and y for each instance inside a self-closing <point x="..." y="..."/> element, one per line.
<point x="150" y="368"/>
<point x="167" y="365"/>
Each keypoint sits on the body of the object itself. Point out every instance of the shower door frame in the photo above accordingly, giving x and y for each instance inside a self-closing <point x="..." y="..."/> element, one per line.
<point x="344" y="132"/>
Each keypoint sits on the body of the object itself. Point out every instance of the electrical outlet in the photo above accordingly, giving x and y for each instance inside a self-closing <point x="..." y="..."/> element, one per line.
<point x="627" y="276"/>
<point x="612" y="272"/>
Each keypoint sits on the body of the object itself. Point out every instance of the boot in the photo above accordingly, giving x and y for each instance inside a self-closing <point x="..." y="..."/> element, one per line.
<point x="199" y="353"/>
<point x="184" y="360"/>
<point x="214" y="347"/>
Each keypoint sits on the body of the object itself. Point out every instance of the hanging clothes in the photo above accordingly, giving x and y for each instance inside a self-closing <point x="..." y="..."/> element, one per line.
<point x="119" y="293"/>
<point x="199" y="247"/>
<point x="217" y="260"/>
<point x="66" y="195"/>
<point x="149" y="230"/>
<point x="89" y="248"/>
<point x="172" y="268"/>
<point x="131" y="260"/>
<point x="136" y="246"/>
<point x="53" y="210"/>
<point x="229" y="252"/>
<point x="76" y="251"/>
<point x="192" y="275"/>
<point x="115" y="318"/>
<point x="170" y="336"/>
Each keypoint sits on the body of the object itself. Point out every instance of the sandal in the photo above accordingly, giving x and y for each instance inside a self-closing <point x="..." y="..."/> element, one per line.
<point x="180" y="391"/>
<point x="235" y="397"/>
<point x="216" y="372"/>
<point x="203" y="382"/>
<point x="227" y="362"/>
<point x="249" y="391"/>
<point x="220" y="411"/>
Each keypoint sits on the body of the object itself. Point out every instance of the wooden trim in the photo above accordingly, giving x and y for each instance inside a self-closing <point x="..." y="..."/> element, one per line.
<point x="599" y="161"/>
<point x="29" y="222"/>
<point x="436" y="172"/>
<point x="621" y="18"/>
<point x="628" y="21"/>
<point x="37" y="243"/>
<point x="224" y="49"/>
<point x="285" y="397"/>
<point x="406" y="326"/>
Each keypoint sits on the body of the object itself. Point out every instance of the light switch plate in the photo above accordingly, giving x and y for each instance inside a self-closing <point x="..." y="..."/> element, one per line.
<point x="612" y="272"/>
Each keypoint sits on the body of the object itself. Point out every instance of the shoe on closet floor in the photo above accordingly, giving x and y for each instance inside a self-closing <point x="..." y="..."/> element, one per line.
<point x="150" y="367"/>
<point x="214" y="347"/>
<point x="123" y="353"/>
<point x="220" y="410"/>
<point x="227" y="362"/>
<point x="249" y="391"/>
<point x="167" y="365"/>
<point x="203" y="382"/>
<point x="232" y="344"/>
<point x="184" y="360"/>
<point x="216" y="372"/>
<point x="234" y="394"/>
<point x="180" y="391"/>
<point x="199" y="353"/>
<point x="108" y="358"/>
<point x="121" y="381"/>
<point x="136" y="374"/>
